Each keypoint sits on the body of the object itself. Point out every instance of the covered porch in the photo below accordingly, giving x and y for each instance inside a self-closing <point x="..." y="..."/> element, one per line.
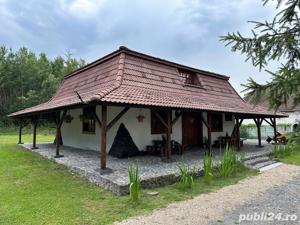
<point x="193" y="128"/>
<point x="153" y="171"/>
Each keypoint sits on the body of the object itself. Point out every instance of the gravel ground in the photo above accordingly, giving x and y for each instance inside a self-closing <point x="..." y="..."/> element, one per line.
<point x="274" y="206"/>
<point x="207" y="208"/>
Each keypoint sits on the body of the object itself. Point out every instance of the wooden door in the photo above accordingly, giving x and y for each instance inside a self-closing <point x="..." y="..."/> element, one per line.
<point x="191" y="129"/>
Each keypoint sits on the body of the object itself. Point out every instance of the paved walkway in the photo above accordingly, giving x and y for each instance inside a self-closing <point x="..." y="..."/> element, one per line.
<point x="153" y="171"/>
<point x="275" y="190"/>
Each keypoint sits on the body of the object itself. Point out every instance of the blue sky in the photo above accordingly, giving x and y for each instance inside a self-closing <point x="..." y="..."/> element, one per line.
<point x="185" y="31"/>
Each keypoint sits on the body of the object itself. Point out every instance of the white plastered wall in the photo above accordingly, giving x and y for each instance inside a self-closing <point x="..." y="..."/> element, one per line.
<point x="140" y="131"/>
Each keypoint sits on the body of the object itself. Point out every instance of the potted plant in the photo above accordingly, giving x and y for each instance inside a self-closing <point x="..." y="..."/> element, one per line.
<point x="68" y="118"/>
<point x="140" y="118"/>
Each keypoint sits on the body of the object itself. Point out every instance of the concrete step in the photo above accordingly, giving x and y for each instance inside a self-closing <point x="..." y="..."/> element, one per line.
<point x="254" y="156"/>
<point x="255" y="161"/>
<point x="269" y="167"/>
<point x="258" y="166"/>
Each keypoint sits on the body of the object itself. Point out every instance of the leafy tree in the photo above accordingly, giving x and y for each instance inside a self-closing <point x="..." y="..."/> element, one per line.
<point x="27" y="79"/>
<point x="278" y="39"/>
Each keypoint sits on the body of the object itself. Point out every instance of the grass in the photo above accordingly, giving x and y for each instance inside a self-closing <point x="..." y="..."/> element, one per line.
<point x="38" y="191"/>
<point x="292" y="158"/>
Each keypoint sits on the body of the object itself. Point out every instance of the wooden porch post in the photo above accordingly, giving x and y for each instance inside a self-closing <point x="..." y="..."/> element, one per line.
<point x="258" y="123"/>
<point x="34" y="123"/>
<point x="238" y="144"/>
<point x="207" y="124"/>
<point x="103" y="137"/>
<point x="275" y="130"/>
<point x="59" y="122"/>
<point x="168" y="134"/>
<point x="209" y="139"/>
<point x="20" y="132"/>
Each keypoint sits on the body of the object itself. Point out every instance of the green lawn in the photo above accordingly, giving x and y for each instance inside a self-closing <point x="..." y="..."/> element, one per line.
<point x="294" y="158"/>
<point x="38" y="191"/>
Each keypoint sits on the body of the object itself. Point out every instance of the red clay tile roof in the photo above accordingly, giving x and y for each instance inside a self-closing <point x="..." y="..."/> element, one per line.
<point x="129" y="77"/>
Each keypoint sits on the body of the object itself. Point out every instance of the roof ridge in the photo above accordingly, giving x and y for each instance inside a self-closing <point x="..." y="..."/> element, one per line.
<point x="118" y="82"/>
<point x="123" y="49"/>
<point x="171" y="63"/>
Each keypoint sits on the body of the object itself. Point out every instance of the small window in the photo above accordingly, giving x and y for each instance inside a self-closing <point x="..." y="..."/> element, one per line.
<point x="157" y="126"/>
<point x="216" y="122"/>
<point x="88" y="121"/>
<point x="189" y="77"/>
<point x="228" y="117"/>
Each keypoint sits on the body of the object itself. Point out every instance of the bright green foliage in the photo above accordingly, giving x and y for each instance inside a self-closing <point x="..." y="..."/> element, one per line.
<point x="187" y="175"/>
<point x="276" y="40"/>
<point x="134" y="182"/>
<point x="294" y="138"/>
<point x="208" y="168"/>
<point x="229" y="162"/>
<point x="27" y="79"/>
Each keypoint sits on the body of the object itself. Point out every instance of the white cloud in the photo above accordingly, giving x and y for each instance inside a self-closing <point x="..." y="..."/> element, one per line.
<point x="82" y="9"/>
<point x="186" y="31"/>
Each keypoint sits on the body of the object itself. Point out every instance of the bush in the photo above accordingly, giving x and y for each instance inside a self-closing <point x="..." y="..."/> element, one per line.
<point x="244" y="132"/>
<point x="294" y="138"/>
<point x="229" y="162"/>
<point x="186" y="175"/>
<point x="134" y="182"/>
<point x="208" y="168"/>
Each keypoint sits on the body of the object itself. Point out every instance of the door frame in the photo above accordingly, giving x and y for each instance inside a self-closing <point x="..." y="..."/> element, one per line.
<point x="199" y="136"/>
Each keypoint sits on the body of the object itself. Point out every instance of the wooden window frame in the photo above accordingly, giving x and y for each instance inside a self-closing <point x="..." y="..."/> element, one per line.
<point x="217" y="116"/>
<point x="189" y="78"/>
<point x="88" y="118"/>
<point x="159" y="127"/>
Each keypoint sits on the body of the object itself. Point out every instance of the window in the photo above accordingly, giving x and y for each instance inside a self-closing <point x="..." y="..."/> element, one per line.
<point x="189" y="77"/>
<point x="157" y="126"/>
<point x="88" y="121"/>
<point x="216" y="122"/>
<point x="228" y="117"/>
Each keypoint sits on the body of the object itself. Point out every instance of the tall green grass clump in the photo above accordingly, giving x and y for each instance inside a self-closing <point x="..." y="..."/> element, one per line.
<point x="229" y="162"/>
<point x="208" y="168"/>
<point x="187" y="175"/>
<point x="281" y="151"/>
<point x="134" y="182"/>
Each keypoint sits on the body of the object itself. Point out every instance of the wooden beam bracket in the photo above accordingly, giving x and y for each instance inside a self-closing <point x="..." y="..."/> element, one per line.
<point x="114" y="120"/>
<point x="177" y="116"/>
<point x="97" y="119"/>
<point x="160" y="118"/>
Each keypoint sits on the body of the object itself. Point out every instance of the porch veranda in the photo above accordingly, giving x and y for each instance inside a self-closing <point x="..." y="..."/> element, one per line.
<point x="104" y="125"/>
<point x="153" y="171"/>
